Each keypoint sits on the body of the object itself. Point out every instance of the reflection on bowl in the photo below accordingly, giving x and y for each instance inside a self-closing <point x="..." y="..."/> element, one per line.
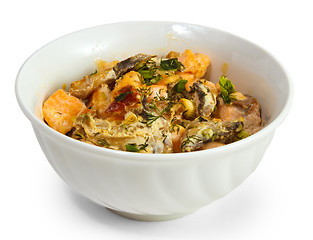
<point x="153" y="186"/>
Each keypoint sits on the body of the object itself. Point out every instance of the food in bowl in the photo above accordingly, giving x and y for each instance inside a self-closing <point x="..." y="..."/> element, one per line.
<point x="151" y="104"/>
<point x="153" y="187"/>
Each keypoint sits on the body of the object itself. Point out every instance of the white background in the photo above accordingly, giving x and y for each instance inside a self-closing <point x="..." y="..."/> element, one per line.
<point x="275" y="202"/>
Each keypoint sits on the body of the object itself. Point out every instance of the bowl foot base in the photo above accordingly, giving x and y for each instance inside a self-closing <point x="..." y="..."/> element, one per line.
<point x="150" y="218"/>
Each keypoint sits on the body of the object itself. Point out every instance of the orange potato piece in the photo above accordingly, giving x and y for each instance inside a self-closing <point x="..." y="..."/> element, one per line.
<point x="61" y="109"/>
<point x="202" y="62"/>
<point x="194" y="63"/>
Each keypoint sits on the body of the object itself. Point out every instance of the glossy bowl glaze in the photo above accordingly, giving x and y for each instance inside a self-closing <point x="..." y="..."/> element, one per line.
<point x="153" y="186"/>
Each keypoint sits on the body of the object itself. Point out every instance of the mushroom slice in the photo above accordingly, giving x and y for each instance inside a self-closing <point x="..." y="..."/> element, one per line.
<point x="204" y="99"/>
<point x="84" y="87"/>
<point x="202" y="131"/>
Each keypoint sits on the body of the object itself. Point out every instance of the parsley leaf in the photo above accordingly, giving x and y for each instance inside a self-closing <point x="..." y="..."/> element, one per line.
<point x="227" y="88"/>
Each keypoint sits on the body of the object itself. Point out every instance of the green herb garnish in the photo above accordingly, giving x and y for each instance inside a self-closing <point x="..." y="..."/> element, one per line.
<point x="103" y="142"/>
<point x="191" y="139"/>
<point x="150" y="118"/>
<point x="201" y="119"/>
<point x="78" y="136"/>
<point x="164" y="136"/>
<point x="180" y="86"/>
<point x="148" y="73"/>
<point x="95" y="72"/>
<point x="227" y="88"/>
<point x="153" y="106"/>
<point x="125" y="127"/>
<point x="153" y="80"/>
<point x="171" y="64"/>
<point x="242" y="134"/>
<point x="122" y="96"/>
<point x="132" y="147"/>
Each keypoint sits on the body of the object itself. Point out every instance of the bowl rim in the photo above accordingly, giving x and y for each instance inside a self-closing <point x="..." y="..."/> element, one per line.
<point x="265" y="131"/>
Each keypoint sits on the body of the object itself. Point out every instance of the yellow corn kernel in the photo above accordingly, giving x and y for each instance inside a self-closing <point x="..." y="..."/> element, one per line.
<point x="130" y="118"/>
<point x="190" y="109"/>
<point x="238" y="96"/>
<point x="168" y="80"/>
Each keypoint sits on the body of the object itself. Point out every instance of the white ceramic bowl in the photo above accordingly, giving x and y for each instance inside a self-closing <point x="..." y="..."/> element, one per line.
<point x="153" y="186"/>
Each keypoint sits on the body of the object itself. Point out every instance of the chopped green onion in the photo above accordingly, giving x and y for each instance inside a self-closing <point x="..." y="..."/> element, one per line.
<point x="180" y="86"/>
<point x="132" y="147"/>
<point x="149" y="74"/>
<point x="171" y="64"/>
<point x="146" y="72"/>
<point x="122" y="96"/>
<point x="154" y="80"/>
